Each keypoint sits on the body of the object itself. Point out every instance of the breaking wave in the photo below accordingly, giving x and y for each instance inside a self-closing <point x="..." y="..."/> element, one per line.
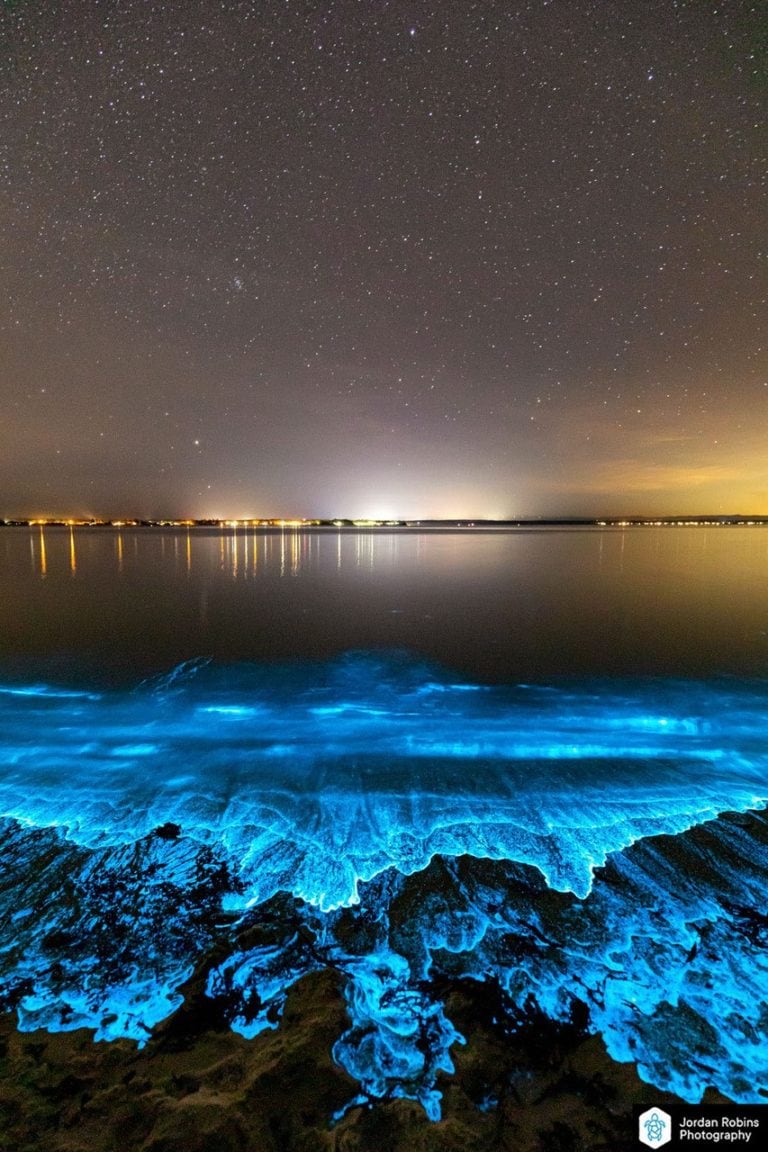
<point x="373" y="815"/>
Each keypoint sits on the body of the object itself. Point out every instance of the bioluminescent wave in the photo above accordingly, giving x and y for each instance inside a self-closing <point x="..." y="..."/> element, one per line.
<point x="567" y="843"/>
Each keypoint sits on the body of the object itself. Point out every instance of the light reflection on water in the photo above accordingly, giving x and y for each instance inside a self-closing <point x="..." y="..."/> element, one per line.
<point x="498" y="605"/>
<point x="294" y="550"/>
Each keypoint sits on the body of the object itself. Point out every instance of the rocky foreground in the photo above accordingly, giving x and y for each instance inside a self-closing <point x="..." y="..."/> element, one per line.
<point x="197" y="1086"/>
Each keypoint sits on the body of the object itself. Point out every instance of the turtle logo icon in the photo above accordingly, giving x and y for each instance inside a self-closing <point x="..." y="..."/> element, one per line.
<point x="655" y="1128"/>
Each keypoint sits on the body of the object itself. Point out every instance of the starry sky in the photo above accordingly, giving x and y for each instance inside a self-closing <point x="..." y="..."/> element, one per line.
<point x="374" y="258"/>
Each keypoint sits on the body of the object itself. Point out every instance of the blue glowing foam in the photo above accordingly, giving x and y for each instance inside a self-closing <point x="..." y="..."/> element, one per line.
<point x="439" y="824"/>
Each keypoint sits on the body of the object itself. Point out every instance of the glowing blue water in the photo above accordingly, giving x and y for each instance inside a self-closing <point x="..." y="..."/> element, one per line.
<point x="408" y="827"/>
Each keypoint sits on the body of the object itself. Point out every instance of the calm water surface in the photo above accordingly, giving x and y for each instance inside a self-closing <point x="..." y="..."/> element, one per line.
<point x="494" y="605"/>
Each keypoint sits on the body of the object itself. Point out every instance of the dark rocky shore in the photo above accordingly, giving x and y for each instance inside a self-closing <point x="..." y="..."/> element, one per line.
<point x="522" y="1082"/>
<point x="197" y="1086"/>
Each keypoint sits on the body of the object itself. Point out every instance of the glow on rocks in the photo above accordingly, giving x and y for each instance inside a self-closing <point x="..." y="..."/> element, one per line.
<point x="417" y="827"/>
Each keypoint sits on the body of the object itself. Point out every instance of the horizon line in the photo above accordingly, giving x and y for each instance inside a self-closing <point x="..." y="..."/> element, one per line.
<point x="618" y="520"/>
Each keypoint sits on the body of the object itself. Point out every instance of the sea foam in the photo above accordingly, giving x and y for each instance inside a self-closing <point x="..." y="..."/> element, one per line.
<point x="456" y="819"/>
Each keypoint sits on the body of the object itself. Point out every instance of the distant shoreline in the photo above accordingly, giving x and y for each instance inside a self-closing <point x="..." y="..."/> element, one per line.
<point x="464" y="524"/>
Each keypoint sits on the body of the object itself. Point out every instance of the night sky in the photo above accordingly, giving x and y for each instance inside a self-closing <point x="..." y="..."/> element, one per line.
<point x="387" y="259"/>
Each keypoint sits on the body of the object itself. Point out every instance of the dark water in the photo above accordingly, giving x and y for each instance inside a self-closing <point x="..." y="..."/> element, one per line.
<point x="496" y="606"/>
<point x="535" y="759"/>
